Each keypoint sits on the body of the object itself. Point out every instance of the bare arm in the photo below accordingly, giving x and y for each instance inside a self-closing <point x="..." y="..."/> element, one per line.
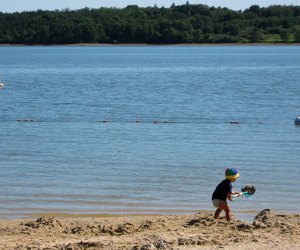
<point x="235" y="194"/>
<point x="229" y="196"/>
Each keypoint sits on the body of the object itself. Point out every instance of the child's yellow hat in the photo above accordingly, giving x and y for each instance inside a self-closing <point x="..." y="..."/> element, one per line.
<point x="231" y="173"/>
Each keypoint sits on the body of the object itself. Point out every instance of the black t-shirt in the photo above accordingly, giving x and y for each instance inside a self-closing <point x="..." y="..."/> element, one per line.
<point x="221" y="190"/>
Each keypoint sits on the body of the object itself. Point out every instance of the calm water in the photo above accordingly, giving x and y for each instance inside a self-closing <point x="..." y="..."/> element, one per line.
<point x="69" y="161"/>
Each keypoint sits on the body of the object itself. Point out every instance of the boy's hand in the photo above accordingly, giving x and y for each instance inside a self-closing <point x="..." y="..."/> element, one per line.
<point x="229" y="196"/>
<point x="238" y="194"/>
<point x="234" y="194"/>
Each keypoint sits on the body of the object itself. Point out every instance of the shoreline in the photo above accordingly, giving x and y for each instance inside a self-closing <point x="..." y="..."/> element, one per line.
<point x="133" y="213"/>
<point x="147" y="232"/>
<point x="82" y="214"/>
<point x="149" y="45"/>
<point x="246" y="215"/>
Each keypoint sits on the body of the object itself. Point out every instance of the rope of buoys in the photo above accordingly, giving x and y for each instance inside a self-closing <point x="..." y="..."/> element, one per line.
<point x="297" y="121"/>
<point x="25" y="120"/>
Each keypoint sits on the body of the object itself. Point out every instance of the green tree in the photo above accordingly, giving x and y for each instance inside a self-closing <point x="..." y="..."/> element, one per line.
<point x="197" y="36"/>
<point x="232" y="29"/>
<point x="256" y="35"/>
<point x="297" y="36"/>
<point x="254" y="9"/>
<point x="284" y="35"/>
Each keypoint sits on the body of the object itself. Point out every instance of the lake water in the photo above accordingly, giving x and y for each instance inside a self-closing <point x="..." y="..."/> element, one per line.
<point x="135" y="129"/>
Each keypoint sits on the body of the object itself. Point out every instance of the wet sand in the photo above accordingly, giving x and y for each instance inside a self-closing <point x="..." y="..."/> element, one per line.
<point x="182" y="232"/>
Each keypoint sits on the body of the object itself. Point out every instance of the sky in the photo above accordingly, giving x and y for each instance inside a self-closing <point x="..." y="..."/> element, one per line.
<point x="29" y="5"/>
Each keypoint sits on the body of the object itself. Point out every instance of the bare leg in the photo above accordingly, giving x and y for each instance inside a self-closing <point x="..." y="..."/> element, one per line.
<point x="217" y="213"/>
<point x="228" y="212"/>
<point x="223" y="206"/>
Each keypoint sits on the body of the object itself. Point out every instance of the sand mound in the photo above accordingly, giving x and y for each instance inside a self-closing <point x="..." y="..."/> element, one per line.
<point x="44" y="222"/>
<point x="79" y="245"/>
<point x="199" y="231"/>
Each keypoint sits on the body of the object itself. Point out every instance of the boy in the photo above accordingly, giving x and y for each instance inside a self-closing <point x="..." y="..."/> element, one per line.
<point x="224" y="191"/>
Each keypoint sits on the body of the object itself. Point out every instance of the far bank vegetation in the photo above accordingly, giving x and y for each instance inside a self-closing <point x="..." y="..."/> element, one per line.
<point x="186" y="23"/>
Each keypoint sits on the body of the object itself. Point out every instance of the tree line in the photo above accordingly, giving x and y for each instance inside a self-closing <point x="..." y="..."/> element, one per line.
<point x="188" y="23"/>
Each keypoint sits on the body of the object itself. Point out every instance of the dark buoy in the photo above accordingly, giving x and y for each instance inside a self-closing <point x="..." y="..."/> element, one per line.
<point x="297" y="121"/>
<point x="25" y="120"/>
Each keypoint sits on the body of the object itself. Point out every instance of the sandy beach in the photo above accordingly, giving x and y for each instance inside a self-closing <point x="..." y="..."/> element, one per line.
<point x="196" y="231"/>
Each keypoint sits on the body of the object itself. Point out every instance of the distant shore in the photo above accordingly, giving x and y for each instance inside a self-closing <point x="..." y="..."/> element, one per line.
<point x="269" y="231"/>
<point x="145" y="44"/>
